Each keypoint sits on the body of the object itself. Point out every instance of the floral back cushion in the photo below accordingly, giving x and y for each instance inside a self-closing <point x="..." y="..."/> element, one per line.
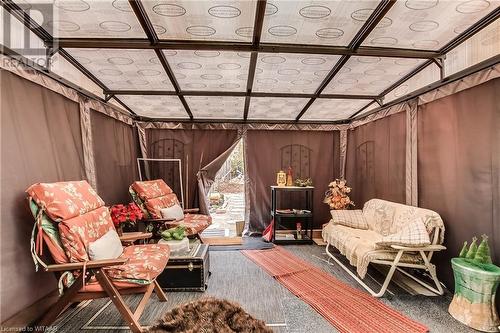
<point x="151" y="189"/>
<point x="78" y="232"/>
<point x="155" y="205"/>
<point x="65" y="200"/>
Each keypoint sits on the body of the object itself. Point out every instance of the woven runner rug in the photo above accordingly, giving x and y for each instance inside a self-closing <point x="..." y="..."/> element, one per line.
<point x="348" y="309"/>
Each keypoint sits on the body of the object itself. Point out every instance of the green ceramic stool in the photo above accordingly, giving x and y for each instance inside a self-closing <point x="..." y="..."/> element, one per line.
<point x="474" y="300"/>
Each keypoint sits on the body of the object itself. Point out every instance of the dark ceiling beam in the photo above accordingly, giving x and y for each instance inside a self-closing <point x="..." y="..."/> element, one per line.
<point x="120" y="43"/>
<point x="150" y="32"/>
<point x="260" y="12"/>
<point x="234" y="94"/>
<point x="370" y="24"/>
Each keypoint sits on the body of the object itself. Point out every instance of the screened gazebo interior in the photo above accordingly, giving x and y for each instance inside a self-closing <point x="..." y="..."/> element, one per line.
<point x="250" y="166"/>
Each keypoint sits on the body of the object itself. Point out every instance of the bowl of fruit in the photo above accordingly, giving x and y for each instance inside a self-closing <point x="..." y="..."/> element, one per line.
<point x="176" y="239"/>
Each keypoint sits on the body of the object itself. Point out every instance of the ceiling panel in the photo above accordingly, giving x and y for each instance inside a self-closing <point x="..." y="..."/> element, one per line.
<point x="124" y="69"/>
<point x="370" y="75"/>
<point x="210" y="70"/>
<point x="333" y="109"/>
<point x="202" y="20"/>
<point x="427" y="24"/>
<point x="155" y="106"/>
<point x="425" y="77"/>
<point x="296" y="73"/>
<point x="217" y="107"/>
<point x="315" y="22"/>
<point x="275" y="108"/>
<point x="85" y="19"/>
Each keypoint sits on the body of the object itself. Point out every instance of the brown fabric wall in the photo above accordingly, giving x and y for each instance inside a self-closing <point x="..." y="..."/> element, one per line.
<point x="458" y="168"/>
<point x="115" y="153"/>
<point x="375" y="166"/>
<point x="266" y="155"/>
<point x="41" y="142"/>
<point x="199" y="147"/>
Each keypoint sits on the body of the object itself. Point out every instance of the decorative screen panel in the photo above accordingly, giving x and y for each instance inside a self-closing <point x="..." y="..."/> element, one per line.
<point x="427" y="24"/>
<point x="428" y="75"/>
<point x="202" y="20"/>
<point x="296" y="73"/>
<point x="275" y="108"/>
<point x="85" y="19"/>
<point x="124" y="69"/>
<point x="155" y="106"/>
<point x="483" y="45"/>
<point x="333" y="109"/>
<point x="314" y="22"/>
<point x="370" y="75"/>
<point x="209" y="107"/>
<point x="210" y="70"/>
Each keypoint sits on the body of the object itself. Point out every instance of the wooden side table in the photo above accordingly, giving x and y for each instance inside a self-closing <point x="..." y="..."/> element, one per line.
<point x="474" y="301"/>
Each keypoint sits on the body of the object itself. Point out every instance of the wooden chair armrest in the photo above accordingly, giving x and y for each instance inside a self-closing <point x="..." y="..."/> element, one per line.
<point x="71" y="266"/>
<point x="133" y="236"/>
<point x="191" y="210"/>
<point x="422" y="248"/>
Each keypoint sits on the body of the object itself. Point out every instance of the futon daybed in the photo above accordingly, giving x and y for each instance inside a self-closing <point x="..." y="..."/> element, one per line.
<point x="386" y="233"/>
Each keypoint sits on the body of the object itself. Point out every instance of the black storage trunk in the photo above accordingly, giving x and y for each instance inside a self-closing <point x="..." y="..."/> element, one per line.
<point x="187" y="273"/>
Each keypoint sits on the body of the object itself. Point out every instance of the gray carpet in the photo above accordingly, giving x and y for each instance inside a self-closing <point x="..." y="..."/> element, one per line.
<point x="236" y="278"/>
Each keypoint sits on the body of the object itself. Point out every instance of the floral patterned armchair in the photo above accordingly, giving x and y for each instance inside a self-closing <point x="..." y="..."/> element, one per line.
<point x="151" y="196"/>
<point x="69" y="216"/>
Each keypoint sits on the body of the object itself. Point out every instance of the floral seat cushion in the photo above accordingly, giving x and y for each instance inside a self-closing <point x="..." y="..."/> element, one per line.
<point x="145" y="263"/>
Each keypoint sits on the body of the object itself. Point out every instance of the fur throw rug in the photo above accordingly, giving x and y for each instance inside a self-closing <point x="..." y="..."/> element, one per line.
<point x="209" y="315"/>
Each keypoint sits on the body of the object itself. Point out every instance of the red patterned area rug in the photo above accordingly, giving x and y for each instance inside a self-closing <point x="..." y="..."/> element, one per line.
<point x="348" y="309"/>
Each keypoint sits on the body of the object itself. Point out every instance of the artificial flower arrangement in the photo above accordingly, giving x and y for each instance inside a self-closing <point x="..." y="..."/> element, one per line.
<point x="337" y="195"/>
<point x="125" y="214"/>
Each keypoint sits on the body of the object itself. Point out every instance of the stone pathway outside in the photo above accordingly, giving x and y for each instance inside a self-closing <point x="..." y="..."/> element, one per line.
<point x="224" y="219"/>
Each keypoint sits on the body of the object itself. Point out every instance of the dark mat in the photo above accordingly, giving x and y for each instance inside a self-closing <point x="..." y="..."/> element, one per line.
<point x="249" y="243"/>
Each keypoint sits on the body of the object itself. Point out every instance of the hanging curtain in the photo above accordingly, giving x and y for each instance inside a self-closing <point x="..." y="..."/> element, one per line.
<point x="459" y="168"/>
<point x="41" y="142"/>
<point x="312" y="154"/>
<point x="376" y="154"/>
<point x="195" y="149"/>
<point x="115" y="152"/>
<point x="206" y="177"/>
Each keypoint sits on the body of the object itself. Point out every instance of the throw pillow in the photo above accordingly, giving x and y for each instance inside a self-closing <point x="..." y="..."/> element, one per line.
<point x="108" y="246"/>
<point x="350" y="218"/>
<point x="174" y="212"/>
<point x="413" y="234"/>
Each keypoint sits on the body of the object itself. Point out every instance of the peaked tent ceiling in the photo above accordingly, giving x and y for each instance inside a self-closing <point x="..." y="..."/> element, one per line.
<point x="284" y="60"/>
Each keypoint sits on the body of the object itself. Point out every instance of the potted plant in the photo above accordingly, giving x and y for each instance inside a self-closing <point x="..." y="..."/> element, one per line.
<point x="476" y="282"/>
<point x="337" y="195"/>
<point x="125" y="216"/>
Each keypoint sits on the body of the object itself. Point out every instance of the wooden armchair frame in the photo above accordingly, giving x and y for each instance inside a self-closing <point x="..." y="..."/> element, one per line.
<point x="96" y="269"/>
<point x="425" y="253"/>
